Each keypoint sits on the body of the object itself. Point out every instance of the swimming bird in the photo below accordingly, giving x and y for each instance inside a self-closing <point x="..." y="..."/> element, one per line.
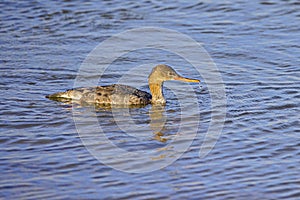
<point x="118" y="94"/>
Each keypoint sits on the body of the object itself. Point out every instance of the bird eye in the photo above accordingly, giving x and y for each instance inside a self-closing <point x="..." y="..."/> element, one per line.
<point x="170" y="74"/>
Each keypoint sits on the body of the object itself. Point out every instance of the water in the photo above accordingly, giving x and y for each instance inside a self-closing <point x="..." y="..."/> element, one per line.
<point x="256" y="47"/>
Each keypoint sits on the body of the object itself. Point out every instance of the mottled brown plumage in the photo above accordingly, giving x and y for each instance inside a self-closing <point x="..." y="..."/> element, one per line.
<point x="122" y="94"/>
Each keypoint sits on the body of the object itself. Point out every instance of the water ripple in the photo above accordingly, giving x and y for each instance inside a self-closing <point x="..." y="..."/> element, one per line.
<point x="255" y="45"/>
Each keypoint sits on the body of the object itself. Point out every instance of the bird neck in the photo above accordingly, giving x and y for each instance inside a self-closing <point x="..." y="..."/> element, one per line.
<point x="157" y="93"/>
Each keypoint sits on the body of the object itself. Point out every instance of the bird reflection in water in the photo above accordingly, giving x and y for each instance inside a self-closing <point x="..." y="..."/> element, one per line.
<point x="158" y="120"/>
